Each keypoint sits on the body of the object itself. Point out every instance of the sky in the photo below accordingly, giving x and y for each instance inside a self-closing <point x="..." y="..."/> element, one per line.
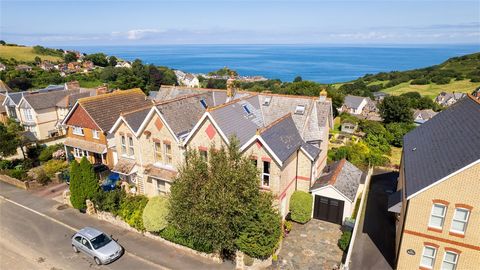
<point x="129" y="22"/>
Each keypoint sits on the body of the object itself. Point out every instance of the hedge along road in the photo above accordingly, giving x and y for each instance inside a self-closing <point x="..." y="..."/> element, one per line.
<point x="34" y="231"/>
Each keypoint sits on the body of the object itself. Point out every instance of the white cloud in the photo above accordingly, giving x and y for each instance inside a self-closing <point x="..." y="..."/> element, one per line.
<point x="136" y="34"/>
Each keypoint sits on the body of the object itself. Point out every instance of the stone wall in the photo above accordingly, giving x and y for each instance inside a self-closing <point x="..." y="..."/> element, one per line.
<point x="13" y="181"/>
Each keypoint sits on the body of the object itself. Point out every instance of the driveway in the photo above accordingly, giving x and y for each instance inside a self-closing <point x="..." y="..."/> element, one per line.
<point x="311" y="246"/>
<point x="375" y="244"/>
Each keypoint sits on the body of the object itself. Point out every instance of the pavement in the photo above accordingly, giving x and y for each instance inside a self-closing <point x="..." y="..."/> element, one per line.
<point x="35" y="233"/>
<point x="374" y="246"/>
<point x="311" y="246"/>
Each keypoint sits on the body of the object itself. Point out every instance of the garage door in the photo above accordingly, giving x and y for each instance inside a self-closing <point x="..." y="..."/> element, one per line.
<point x="328" y="209"/>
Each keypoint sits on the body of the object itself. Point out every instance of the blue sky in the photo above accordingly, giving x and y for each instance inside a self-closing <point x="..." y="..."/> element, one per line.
<point x="110" y="22"/>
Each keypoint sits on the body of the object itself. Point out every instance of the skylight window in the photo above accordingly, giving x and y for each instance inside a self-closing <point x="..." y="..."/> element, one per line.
<point x="300" y="109"/>
<point x="267" y="101"/>
<point x="204" y="103"/>
<point x="246" y="109"/>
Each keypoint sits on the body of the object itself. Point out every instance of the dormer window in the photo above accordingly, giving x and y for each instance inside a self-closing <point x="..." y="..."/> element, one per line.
<point x="267" y="101"/>
<point x="204" y="103"/>
<point x="246" y="109"/>
<point x="300" y="109"/>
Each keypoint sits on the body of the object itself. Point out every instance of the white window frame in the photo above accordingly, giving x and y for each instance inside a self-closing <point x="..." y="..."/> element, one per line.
<point x="123" y="143"/>
<point x="79" y="153"/>
<point x="28" y="114"/>
<point x="264" y="174"/>
<point x="96" y="134"/>
<point x="300" y="109"/>
<point x="160" y="191"/>
<point x="157" y="151"/>
<point x="167" y="156"/>
<point x="462" y="221"/>
<point x="454" y="262"/>
<point x="442" y="217"/>
<point x="131" y="149"/>
<point x="77" y="131"/>
<point x="434" y="257"/>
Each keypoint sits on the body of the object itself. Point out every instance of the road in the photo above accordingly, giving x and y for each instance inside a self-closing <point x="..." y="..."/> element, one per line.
<point x="35" y="234"/>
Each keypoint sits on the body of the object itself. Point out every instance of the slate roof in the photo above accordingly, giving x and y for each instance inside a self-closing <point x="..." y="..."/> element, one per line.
<point x="167" y="92"/>
<point x="15" y="97"/>
<point x="4" y="87"/>
<point x="353" y="101"/>
<point x="135" y="118"/>
<point x="445" y="144"/>
<point x="342" y="175"/>
<point x="70" y="100"/>
<point x="424" y="114"/>
<point x="105" y="109"/>
<point x="44" y="100"/>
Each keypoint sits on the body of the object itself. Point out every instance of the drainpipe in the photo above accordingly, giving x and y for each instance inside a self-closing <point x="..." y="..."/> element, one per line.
<point x="296" y="172"/>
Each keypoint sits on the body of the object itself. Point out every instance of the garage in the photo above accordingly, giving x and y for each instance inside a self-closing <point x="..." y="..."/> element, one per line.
<point x="336" y="190"/>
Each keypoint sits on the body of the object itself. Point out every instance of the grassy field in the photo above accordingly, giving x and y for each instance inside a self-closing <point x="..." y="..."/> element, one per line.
<point x="432" y="90"/>
<point x="395" y="156"/>
<point x="24" y="54"/>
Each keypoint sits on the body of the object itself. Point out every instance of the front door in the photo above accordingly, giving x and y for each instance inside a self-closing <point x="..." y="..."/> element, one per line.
<point x="328" y="209"/>
<point x="97" y="158"/>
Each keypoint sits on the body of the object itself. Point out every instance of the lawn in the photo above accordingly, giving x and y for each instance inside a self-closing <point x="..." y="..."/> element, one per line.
<point x="395" y="156"/>
<point x="24" y="54"/>
<point x="432" y="90"/>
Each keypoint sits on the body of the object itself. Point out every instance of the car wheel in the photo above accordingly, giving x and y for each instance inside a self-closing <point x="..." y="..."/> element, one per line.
<point x="97" y="261"/>
<point x="75" y="249"/>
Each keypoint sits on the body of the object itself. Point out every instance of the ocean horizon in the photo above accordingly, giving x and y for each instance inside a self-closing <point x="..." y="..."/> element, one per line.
<point x="320" y="63"/>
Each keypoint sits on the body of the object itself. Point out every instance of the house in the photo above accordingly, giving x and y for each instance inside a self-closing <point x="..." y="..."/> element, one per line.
<point x="88" y="65"/>
<point x="438" y="196"/>
<point x="336" y="191"/>
<point x="187" y="79"/>
<point x="421" y="116"/>
<point x="23" y="68"/>
<point x="354" y="104"/>
<point x="74" y="66"/>
<point x="3" y="111"/>
<point x="286" y="137"/>
<point x="349" y="127"/>
<point x="446" y="99"/>
<point x="46" y="65"/>
<point x="2" y="67"/>
<point x="123" y="64"/>
<point x="167" y="92"/>
<point x="91" y="118"/>
<point x="379" y="96"/>
<point x="64" y="105"/>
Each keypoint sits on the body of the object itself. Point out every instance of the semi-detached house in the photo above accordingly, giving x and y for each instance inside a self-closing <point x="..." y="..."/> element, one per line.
<point x="285" y="136"/>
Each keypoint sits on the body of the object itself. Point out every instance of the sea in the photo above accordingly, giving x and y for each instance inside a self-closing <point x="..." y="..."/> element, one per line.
<point x="320" y="63"/>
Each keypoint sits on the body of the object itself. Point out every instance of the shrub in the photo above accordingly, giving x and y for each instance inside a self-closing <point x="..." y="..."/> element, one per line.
<point x="53" y="166"/>
<point x="41" y="177"/>
<point x="288" y="225"/>
<point x="47" y="153"/>
<point x="155" y="213"/>
<point x="5" y="164"/>
<point x="344" y="241"/>
<point x="19" y="174"/>
<point x="131" y="211"/>
<point x="173" y="235"/>
<point x="109" y="201"/>
<point x="301" y="206"/>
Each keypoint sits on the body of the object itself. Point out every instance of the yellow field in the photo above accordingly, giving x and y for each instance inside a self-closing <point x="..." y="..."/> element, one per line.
<point x="432" y="90"/>
<point x="24" y="54"/>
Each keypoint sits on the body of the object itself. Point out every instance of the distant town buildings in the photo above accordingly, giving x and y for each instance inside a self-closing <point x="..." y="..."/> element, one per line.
<point x="361" y="107"/>
<point x="422" y="116"/>
<point x="187" y="79"/>
<point x="446" y="99"/>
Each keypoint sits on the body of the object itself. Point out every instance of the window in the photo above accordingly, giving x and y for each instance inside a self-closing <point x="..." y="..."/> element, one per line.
<point x="449" y="261"/>
<point x="266" y="174"/>
<point x="124" y="145"/>
<point x="428" y="257"/>
<point x="161" y="186"/>
<point x="204" y="103"/>
<point x="204" y="154"/>
<point x="78" y="153"/>
<point x="437" y="216"/>
<point x="300" y="109"/>
<point x="267" y="101"/>
<point x="131" y="151"/>
<point x="95" y="134"/>
<point x="460" y="219"/>
<point x="77" y="131"/>
<point x="28" y="114"/>
<point x="158" y="152"/>
<point x="167" y="152"/>
<point x="246" y="109"/>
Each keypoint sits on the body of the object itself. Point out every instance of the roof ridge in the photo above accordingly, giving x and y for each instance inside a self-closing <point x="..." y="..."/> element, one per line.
<point x="263" y="129"/>
<point x="33" y="94"/>
<point x="284" y="95"/>
<point x="176" y="99"/>
<point x="472" y="97"/>
<point x="114" y="93"/>
<point x="137" y="110"/>
<point x="230" y="102"/>
<point x="337" y="171"/>
<point x="194" y="88"/>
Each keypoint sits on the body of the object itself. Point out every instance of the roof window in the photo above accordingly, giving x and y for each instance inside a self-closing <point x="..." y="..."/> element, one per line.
<point x="300" y="109"/>
<point x="246" y="109"/>
<point x="267" y="101"/>
<point x="204" y="103"/>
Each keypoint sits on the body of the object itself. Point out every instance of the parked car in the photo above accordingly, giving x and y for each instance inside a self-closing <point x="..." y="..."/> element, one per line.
<point x="96" y="244"/>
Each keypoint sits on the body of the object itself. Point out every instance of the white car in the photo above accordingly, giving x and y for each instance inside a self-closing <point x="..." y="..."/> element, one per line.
<point x="96" y="244"/>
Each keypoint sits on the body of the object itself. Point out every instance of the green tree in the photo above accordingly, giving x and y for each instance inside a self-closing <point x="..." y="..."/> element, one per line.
<point x="99" y="59"/>
<point x="70" y="57"/>
<point x="76" y="190"/>
<point x="301" y="206"/>
<point x="298" y="79"/>
<point x="396" y="109"/>
<point x="155" y="214"/>
<point x="89" y="179"/>
<point x="398" y="130"/>
<point x="112" y="61"/>
<point x="8" y="142"/>
<point x="38" y="60"/>
<point x="211" y="204"/>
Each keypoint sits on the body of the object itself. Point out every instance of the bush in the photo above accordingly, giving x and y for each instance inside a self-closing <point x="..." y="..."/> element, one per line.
<point x="53" y="166"/>
<point x="301" y="206"/>
<point x="131" y="211"/>
<point x="420" y="81"/>
<point x="344" y="241"/>
<point x="155" y="213"/>
<point x="109" y="201"/>
<point x="6" y="164"/>
<point x="41" y="177"/>
<point x="173" y="235"/>
<point x="47" y="153"/>
<point x="288" y="225"/>
<point x="19" y="174"/>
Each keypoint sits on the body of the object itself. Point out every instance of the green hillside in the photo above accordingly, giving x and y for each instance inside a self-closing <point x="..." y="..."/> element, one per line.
<point x="24" y="54"/>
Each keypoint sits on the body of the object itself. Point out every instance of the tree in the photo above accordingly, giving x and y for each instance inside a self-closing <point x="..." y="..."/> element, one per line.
<point x="155" y="213"/>
<point x="396" y="109"/>
<point x="398" y="130"/>
<point x="112" y="61"/>
<point x="8" y="142"/>
<point x="13" y="127"/>
<point x="76" y="192"/>
<point x="211" y="203"/>
<point x="2" y="42"/>
<point x="99" y="59"/>
<point x="89" y="179"/>
<point x="38" y="60"/>
<point x="298" y="79"/>
<point x="70" y="57"/>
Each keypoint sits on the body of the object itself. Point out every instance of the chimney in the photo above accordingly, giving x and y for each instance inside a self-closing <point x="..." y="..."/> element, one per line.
<point x="230" y="87"/>
<point x="101" y="90"/>
<point x="72" y="85"/>
<point x="323" y="95"/>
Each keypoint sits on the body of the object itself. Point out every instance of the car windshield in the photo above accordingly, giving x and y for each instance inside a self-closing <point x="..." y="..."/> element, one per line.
<point x="100" y="241"/>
